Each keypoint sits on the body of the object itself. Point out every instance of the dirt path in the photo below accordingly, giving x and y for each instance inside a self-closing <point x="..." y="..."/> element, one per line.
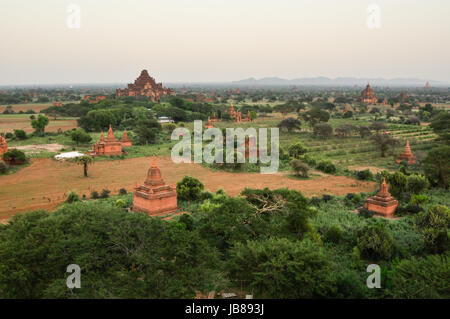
<point x="45" y="183"/>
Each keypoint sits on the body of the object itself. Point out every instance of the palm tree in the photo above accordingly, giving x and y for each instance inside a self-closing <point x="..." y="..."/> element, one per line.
<point x="85" y="160"/>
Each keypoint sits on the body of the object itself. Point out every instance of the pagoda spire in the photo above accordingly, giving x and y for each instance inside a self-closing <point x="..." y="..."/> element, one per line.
<point x="110" y="137"/>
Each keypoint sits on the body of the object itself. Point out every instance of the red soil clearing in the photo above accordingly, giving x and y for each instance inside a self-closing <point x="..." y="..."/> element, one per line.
<point x="46" y="183"/>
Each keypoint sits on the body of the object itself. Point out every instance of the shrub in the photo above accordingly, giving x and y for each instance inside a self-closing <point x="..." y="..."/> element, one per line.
<point x="419" y="199"/>
<point x="421" y="278"/>
<point x="276" y="268"/>
<point x="105" y="193"/>
<point x="122" y="191"/>
<point x="410" y="209"/>
<point x="434" y="226"/>
<point x="73" y="197"/>
<point x="323" y="130"/>
<point x="296" y="150"/>
<point x="326" y="167"/>
<point x="14" y="156"/>
<point x="120" y="203"/>
<point x="169" y="127"/>
<point x="189" y="188"/>
<point x="95" y="195"/>
<point x="333" y="234"/>
<point x="416" y="184"/>
<point x="300" y="168"/>
<point x="365" y="212"/>
<point x="20" y="134"/>
<point x="364" y="175"/>
<point x="9" y="135"/>
<point x="188" y="221"/>
<point x="374" y="242"/>
<point x="326" y="198"/>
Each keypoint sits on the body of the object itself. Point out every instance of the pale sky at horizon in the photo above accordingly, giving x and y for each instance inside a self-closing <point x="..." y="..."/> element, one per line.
<point x="221" y="40"/>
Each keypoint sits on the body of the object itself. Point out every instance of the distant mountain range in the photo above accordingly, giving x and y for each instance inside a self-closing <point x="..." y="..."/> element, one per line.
<point x="342" y="81"/>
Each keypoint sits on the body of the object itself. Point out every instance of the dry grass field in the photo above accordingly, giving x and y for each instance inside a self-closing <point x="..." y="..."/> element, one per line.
<point x="46" y="183"/>
<point x="37" y="107"/>
<point x="11" y="122"/>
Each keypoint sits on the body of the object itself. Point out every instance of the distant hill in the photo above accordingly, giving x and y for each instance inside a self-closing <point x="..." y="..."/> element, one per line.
<point x="341" y="81"/>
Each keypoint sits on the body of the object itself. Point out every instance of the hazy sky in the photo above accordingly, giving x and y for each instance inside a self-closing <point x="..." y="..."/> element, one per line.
<point x="221" y="40"/>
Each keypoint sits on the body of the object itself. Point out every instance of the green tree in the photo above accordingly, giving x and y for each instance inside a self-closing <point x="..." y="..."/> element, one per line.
<point x="315" y="116"/>
<point x="39" y="124"/>
<point x="297" y="149"/>
<point x="441" y="126"/>
<point x="189" y="188"/>
<point x="80" y="136"/>
<point x="437" y="166"/>
<point x="85" y="161"/>
<point x="374" y="242"/>
<point x="323" y="130"/>
<point x="434" y="226"/>
<point x="147" y="131"/>
<point x="384" y="142"/>
<point x="280" y="268"/>
<point x="290" y="124"/>
<point x="421" y="278"/>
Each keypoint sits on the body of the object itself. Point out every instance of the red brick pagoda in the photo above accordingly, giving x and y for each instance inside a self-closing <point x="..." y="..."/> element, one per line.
<point x="3" y="145"/>
<point x="107" y="147"/>
<point x="154" y="197"/>
<point x="382" y="203"/>
<point x="368" y="96"/>
<point x="125" y="140"/>
<point x="407" y="156"/>
<point x="145" y="85"/>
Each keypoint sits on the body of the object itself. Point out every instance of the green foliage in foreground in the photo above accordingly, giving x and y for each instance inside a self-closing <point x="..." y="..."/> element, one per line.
<point x="276" y="243"/>
<point x="121" y="255"/>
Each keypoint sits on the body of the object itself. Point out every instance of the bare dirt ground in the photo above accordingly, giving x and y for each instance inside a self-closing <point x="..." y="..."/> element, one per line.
<point x="46" y="183"/>
<point x="34" y="148"/>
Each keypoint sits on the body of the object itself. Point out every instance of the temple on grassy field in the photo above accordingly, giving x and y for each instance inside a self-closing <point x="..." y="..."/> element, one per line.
<point x="3" y="145"/>
<point x="154" y="197"/>
<point x="382" y="203"/>
<point x="407" y="156"/>
<point x="110" y="146"/>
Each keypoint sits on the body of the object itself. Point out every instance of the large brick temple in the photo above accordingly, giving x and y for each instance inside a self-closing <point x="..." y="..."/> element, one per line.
<point x="368" y="96"/>
<point x="154" y="197"/>
<point x="145" y="85"/>
<point x="382" y="203"/>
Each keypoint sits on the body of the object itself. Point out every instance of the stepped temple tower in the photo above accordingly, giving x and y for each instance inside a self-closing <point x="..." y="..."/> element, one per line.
<point x="3" y="145"/>
<point x="368" y="96"/>
<point x="154" y="197"/>
<point x="110" y="145"/>
<point x="145" y="85"/>
<point x="407" y="156"/>
<point x="382" y="203"/>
